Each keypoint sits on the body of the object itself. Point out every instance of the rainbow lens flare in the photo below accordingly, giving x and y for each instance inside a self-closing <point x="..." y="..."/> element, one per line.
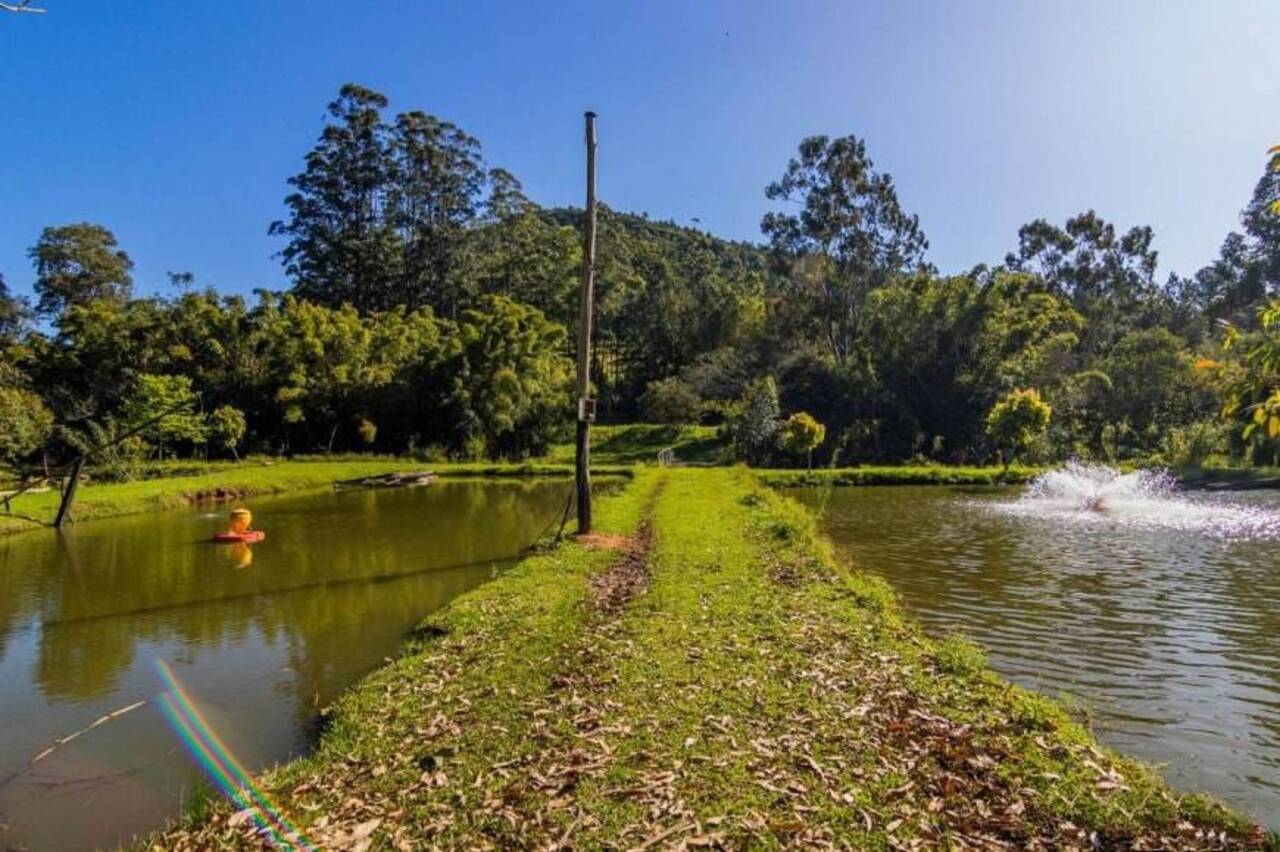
<point x="217" y="761"/>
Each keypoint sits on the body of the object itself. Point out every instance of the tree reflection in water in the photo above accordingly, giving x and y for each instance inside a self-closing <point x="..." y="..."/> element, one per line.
<point x="264" y="637"/>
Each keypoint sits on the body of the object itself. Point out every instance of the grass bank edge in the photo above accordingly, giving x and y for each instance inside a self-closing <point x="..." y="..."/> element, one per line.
<point x="238" y="481"/>
<point x="793" y="529"/>
<point x="899" y="475"/>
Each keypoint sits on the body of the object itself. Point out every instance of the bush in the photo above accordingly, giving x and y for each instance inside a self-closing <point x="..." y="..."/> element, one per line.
<point x="1194" y="443"/>
<point x="1016" y="421"/>
<point x="116" y="458"/>
<point x="802" y="434"/>
<point x="755" y="426"/>
<point x="25" y="423"/>
<point x="153" y="395"/>
<point x="227" y="427"/>
<point x="671" y="400"/>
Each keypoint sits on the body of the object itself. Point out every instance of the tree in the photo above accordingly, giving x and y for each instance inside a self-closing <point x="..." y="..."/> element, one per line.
<point x="509" y="379"/>
<point x="1252" y="390"/>
<point x="367" y="430"/>
<point x="13" y="315"/>
<point x="1251" y="386"/>
<point x="115" y="449"/>
<point x="1246" y="272"/>
<point x="227" y="427"/>
<point x="850" y="237"/>
<point x="171" y="399"/>
<point x="937" y="352"/>
<point x="526" y="257"/>
<point x="323" y="368"/>
<point x="381" y="213"/>
<point x="25" y="423"/>
<point x="802" y="434"/>
<point x="1016" y="420"/>
<point x="755" y="426"/>
<point x="1154" y="387"/>
<point x="15" y="351"/>
<point x="1107" y="277"/>
<point x="78" y="264"/>
<point x="101" y="345"/>
<point x="343" y="245"/>
<point x="437" y="178"/>
<point x="671" y="400"/>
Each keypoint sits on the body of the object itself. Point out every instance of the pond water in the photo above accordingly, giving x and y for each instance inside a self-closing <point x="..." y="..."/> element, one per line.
<point x="261" y="639"/>
<point x="1157" y="613"/>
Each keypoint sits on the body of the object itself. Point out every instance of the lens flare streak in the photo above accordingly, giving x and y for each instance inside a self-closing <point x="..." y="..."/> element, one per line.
<point x="217" y="761"/>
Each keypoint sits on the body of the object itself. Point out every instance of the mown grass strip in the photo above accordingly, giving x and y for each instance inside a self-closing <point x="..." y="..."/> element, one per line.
<point x="761" y="696"/>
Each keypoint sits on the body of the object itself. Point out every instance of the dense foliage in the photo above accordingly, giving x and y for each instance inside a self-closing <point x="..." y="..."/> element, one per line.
<point x="801" y="434"/>
<point x="430" y="299"/>
<point x="1016" y="420"/>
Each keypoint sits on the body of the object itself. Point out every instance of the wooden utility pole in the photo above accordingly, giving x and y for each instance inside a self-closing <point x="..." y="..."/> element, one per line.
<point x="586" y="405"/>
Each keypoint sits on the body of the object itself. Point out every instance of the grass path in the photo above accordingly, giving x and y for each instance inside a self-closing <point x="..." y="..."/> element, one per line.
<point x="719" y="682"/>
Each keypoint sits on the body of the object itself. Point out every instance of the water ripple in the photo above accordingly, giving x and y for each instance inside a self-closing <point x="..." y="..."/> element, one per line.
<point x="1154" y="609"/>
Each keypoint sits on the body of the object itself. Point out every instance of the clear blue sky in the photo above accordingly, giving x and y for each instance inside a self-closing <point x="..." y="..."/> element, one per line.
<point x="177" y="123"/>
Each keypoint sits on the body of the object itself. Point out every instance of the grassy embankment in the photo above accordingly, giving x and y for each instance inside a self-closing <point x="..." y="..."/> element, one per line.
<point x="721" y="682"/>
<point x="640" y="443"/>
<point x="225" y="481"/>
<point x="701" y="445"/>
<point x="1228" y="478"/>
<point x="900" y="475"/>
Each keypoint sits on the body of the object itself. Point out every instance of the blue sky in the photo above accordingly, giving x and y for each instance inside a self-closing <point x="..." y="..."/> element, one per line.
<point x="176" y="124"/>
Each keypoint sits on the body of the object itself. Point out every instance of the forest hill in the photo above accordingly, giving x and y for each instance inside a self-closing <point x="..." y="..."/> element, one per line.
<point x="430" y="298"/>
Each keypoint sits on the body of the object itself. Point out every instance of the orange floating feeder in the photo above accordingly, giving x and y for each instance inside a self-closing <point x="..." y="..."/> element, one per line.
<point x="241" y="529"/>
<point x="248" y="536"/>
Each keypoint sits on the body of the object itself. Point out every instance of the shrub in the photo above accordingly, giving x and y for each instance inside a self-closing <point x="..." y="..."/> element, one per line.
<point x="671" y="400"/>
<point x="227" y="427"/>
<point x="25" y="423"/>
<point x="171" y="396"/>
<point x="1194" y="443"/>
<point x="802" y="434"/>
<point x="1016" y="420"/>
<point x="115" y="457"/>
<point x="755" y="427"/>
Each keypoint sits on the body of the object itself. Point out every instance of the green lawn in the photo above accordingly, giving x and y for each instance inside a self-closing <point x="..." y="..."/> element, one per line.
<point x="640" y="443"/>
<point x="751" y="693"/>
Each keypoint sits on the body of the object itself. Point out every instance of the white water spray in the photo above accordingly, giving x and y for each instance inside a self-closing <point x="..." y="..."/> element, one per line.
<point x="1080" y="492"/>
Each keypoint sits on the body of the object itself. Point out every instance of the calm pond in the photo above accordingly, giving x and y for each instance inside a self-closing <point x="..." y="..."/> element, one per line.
<point x="1158" y="613"/>
<point x="261" y="639"/>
